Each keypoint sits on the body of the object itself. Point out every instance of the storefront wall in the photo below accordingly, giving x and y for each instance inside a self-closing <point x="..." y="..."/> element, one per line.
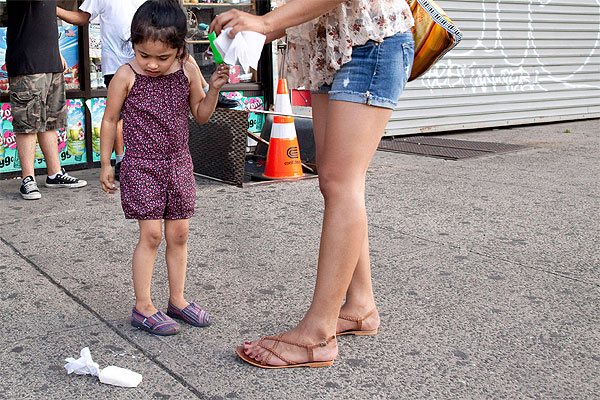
<point x="520" y="61"/>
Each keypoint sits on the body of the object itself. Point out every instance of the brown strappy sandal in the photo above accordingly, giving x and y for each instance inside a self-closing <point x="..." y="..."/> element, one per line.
<point x="359" y="321"/>
<point x="290" y="364"/>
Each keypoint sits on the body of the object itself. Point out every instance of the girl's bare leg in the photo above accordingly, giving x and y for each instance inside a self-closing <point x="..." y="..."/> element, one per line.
<point x="143" y="264"/>
<point x="346" y="142"/>
<point x="176" y="235"/>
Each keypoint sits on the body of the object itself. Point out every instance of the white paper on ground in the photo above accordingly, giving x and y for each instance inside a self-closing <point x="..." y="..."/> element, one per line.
<point x="110" y="375"/>
<point x="245" y="47"/>
<point x="84" y="365"/>
<point x="118" y="376"/>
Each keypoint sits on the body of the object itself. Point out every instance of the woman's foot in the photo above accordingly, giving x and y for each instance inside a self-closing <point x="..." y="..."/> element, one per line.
<point x="290" y="349"/>
<point x="357" y="321"/>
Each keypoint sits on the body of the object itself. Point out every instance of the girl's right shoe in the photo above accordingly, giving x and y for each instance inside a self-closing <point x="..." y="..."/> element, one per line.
<point x="157" y="324"/>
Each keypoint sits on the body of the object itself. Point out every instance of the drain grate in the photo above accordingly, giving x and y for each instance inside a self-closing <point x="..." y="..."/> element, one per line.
<point x="450" y="149"/>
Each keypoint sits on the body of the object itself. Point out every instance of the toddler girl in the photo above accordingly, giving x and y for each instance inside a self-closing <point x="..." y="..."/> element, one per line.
<point x="155" y="94"/>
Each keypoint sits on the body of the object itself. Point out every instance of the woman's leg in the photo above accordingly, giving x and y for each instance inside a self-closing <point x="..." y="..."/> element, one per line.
<point x="351" y="134"/>
<point x="143" y="264"/>
<point x="176" y="235"/>
<point x="359" y="297"/>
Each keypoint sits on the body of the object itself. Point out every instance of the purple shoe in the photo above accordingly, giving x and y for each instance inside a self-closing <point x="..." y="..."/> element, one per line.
<point x="192" y="314"/>
<point x="157" y="324"/>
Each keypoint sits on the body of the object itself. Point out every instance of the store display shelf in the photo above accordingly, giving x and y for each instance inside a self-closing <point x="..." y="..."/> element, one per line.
<point x="188" y="4"/>
<point x="232" y="87"/>
<point x="100" y="92"/>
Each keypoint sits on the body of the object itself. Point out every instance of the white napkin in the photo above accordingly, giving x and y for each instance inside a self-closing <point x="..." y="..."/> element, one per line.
<point x="83" y="365"/>
<point x="110" y="375"/>
<point x="245" y="47"/>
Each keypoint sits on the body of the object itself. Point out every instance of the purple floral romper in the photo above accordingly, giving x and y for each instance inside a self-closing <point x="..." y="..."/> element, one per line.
<point x="157" y="180"/>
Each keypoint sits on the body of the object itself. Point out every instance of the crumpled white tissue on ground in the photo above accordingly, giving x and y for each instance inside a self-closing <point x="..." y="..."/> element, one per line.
<point x="110" y="375"/>
<point x="84" y="365"/>
<point x="245" y="47"/>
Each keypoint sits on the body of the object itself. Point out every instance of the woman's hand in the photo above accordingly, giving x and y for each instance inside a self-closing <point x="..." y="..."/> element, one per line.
<point x="107" y="179"/>
<point x="220" y="77"/>
<point x="238" y="21"/>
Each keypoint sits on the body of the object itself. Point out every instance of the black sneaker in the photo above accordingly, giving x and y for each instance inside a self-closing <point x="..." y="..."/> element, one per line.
<point x="117" y="171"/>
<point x="29" y="189"/>
<point x="62" y="179"/>
<point x="225" y="102"/>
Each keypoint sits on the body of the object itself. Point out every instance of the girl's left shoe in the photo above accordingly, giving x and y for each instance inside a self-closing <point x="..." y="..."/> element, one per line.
<point x="192" y="314"/>
<point x="157" y="324"/>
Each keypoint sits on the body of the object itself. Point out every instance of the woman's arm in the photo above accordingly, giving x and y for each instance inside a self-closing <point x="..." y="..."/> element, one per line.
<point x="73" y="17"/>
<point x="117" y="92"/>
<point x="275" y="22"/>
<point x="202" y="105"/>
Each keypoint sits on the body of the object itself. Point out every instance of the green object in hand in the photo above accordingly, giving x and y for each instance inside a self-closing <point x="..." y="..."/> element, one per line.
<point x="216" y="55"/>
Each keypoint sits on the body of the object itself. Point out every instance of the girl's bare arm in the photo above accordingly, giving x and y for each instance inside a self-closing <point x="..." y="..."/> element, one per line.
<point x="202" y="105"/>
<point x="117" y="92"/>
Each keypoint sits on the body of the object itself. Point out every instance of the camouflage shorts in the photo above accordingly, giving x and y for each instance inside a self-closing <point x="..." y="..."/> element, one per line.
<point x="38" y="102"/>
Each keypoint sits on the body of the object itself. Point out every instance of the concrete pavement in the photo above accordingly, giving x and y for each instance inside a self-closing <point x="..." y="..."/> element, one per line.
<point x="487" y="275"/>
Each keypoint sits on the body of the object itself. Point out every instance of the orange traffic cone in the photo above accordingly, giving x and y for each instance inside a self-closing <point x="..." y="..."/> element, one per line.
<point x="283" y="158"/>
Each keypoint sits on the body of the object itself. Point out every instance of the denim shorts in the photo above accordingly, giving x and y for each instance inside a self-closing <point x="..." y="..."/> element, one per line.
<point x="376" y="74"/>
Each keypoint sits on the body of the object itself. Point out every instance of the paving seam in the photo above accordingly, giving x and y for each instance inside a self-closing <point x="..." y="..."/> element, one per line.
<point x="535" y="268"/>
<point x="454" y="246"/>
<point x="76" y="299"/>
<point x="523" y="186"/>
<point x="77" y="328"/>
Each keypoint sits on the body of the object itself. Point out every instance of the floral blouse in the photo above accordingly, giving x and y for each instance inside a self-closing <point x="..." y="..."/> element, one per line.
<point x="318" y="48"/>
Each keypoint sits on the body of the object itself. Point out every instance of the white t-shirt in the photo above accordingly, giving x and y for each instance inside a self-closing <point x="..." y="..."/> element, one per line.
<point x="115" y="30"/>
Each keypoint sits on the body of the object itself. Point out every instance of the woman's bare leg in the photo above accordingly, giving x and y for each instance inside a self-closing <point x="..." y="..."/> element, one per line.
<point x="359" y="297"/>
<point x="351" y="134"/>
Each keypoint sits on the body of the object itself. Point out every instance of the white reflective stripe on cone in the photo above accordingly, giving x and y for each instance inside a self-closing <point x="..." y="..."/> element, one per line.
<point x="283" y="131"/>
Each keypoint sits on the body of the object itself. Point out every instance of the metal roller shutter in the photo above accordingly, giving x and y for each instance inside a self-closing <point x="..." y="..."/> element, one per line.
<point x="520" y="61"/>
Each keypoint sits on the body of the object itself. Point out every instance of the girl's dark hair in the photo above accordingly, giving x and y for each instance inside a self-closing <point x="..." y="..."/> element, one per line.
<point x="160" y="20"/>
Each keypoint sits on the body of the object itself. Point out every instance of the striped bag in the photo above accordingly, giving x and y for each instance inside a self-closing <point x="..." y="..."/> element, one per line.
<point x="435" y="34"/>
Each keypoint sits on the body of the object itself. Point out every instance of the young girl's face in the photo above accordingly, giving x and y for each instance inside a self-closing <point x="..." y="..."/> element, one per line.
<point x="155" y="57"/>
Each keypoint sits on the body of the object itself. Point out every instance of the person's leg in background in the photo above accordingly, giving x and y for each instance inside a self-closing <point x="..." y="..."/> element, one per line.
<point x="26" y="108"/>
<point x="26" y="151"/>
<point x="39" y="106"/>
<point x="54" y="116"/>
